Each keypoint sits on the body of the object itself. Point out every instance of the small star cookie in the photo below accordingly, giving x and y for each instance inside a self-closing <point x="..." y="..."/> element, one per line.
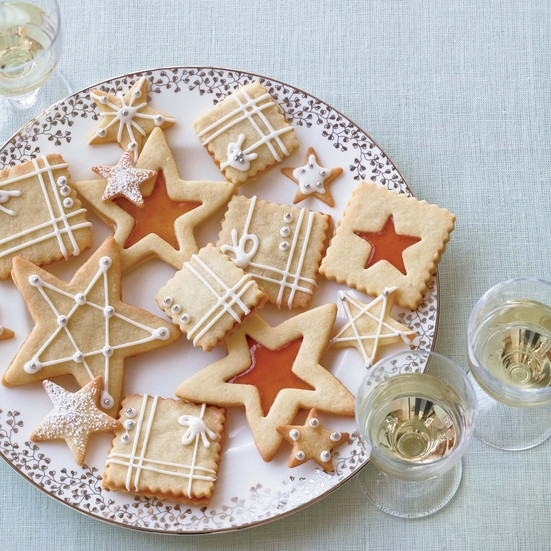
<point x="312" y="441"/>
<point x="371" y="326"/>
<point x="124" y="179"/>
<point x="312" y="179"/>
<point x="127" y="119"/>
<point x="74" y="418"/>
<point x="6" y="333"/>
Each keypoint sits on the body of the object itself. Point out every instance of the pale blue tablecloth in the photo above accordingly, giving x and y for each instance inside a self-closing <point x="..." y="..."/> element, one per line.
<point x="458" y="94"/>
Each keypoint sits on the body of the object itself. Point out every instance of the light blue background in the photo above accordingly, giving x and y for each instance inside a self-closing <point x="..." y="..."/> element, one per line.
<point x="458" y="94"/>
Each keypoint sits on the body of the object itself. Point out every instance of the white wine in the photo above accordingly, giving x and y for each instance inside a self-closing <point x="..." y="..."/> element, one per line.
<point x="26" y="58"/>
<point x="513" y="344"/>
<point x="414" y="417"/>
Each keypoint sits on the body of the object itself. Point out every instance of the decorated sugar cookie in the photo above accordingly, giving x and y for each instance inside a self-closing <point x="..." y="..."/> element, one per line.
<point x="312" y="442"/>
<point x="278" y="245"/>
<point x="74" y="418"/>
<point x="41" y="218"/>
<point x="209" y="297"/>
<point x="388" y="239"/>
<point x="313" y="179"/>
<point x="246" y="133"/>
<point x="166" y="448"/>
<point x="127" y="119"/>
<point x="273" y="372"/>
<point x="164" y="226"/>
<point x="62" y="342"/>
<point x="370" y="327"/>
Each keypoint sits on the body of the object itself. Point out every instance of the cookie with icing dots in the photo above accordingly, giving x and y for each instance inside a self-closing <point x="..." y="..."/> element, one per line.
<point x="246" y="134"/>
<point x="166" y="448"/>
<point x="278" y="245"/>
<point x="388" y="239"/>
<point x="127" y="119"/>
<point x="313" y="179"/>
<point x="273" y="372"/>
<point x="74" y="418"/>
<point x="61" y="342"/>
<point x="312" y="442"/>
<point x="209" y="297"/>
<point x="41" y="217"/>
<point x="163" y="226"/>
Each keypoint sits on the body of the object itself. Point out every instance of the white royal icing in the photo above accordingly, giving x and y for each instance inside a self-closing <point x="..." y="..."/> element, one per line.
<point x="107" y="350"/>
<point x="242" y="254"/>
<point x="59" y="220"/>
<point x="238" y="159"/>
<point x="248" y="109"/>
<point x="311" y="177"/>
<point x="137" y="461"/>
<point x="383" y="330"/>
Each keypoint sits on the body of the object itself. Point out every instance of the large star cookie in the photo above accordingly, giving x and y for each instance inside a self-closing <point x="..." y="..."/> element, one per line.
<point x="74" y="418"/>
<point x="312" y="179"/>
<point x="273" y="372"/>
<point x="41" y="218"/>
<point x="371" y="326"/>
<point x="164" y="226"/>
<point x="387" y="239"/>
<point x="312" y="441"/>
<point x="127" y="119"/>
<point x="82" y="328"/>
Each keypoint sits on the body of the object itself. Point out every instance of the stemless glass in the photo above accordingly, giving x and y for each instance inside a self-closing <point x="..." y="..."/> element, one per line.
<point x="415" y="412"/>
<point x="509" y="348"/>
<point x="30" y="47"/>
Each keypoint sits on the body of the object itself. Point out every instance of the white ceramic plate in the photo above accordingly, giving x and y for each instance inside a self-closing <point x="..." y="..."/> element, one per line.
<point x="249" y="491"/>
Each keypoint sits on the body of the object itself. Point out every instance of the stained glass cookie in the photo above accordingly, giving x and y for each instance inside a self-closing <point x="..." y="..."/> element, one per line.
<point x="246" y="133"/>
<point x="388" y="239"/>
<point x="41" y="218"/>
<point x="280" y="246"/>
<point x="166" y="448"/>
<point x="209" y="297"/>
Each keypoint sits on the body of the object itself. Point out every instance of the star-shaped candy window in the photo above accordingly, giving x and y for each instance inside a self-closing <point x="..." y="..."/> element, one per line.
<point x="303" y="337"/>
<point x="369" y="327"/>
<point x="74" y="418"/>
<point x="82" y="328"/>
<point x="312" y="441"/>
<point x="127" y="119"/>
<point x="388" y="245"/>
<point x="165" y="226"/>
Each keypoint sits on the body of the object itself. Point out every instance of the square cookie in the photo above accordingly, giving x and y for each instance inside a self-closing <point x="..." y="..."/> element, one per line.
<point x="387" y="239"/>
<point x="209" y="297"/>
<point x="279" y="245"/>
<point x="41" y="218"/>
<point x="166" y="448"/>
<point x="246" y="133"/>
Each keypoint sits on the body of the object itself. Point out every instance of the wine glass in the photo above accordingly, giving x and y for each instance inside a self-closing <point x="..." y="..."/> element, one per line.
<point x="415" y="412"/>
<point x="509" y="350"/>
<point x="30" y="47"/>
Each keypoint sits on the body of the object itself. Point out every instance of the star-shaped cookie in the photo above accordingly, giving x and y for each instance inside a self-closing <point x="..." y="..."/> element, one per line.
<point x="164" y="226"/>
<point x="257" y="354"/>
<point x="82" y="328"/>
<point x="371" y="326"/>
<point x="313" y="179"/>
<point x="312" y="441"/>
<point x="127" y="119"/>
<point x="74" y="418"/>
<point x="5" y="333"/>
<point x="124" y="179"/>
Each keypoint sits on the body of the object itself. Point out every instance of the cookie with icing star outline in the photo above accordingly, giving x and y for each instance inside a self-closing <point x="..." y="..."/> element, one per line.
<point x="41" y="217"/>
<point x="164" y="227"/>
<point x="166" y="448"/>
<point x="388" y="239"/>
<point x="127" y="119"/>
<point x="246" y="133"/>
<point x="61" y="342"/>
<point x="273" y="372"/>
<point x="209" y="297"/>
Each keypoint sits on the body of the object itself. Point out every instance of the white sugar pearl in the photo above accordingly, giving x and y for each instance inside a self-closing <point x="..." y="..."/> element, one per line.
<point x="335" y="436"/>
<point x="325" y="456"/>
<point x="300" y="456"/>
<point x="131" y="412"/>
<point x="314" y="423"/>
<point x="294" y="434"/>
<point x="167" y="301"/>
